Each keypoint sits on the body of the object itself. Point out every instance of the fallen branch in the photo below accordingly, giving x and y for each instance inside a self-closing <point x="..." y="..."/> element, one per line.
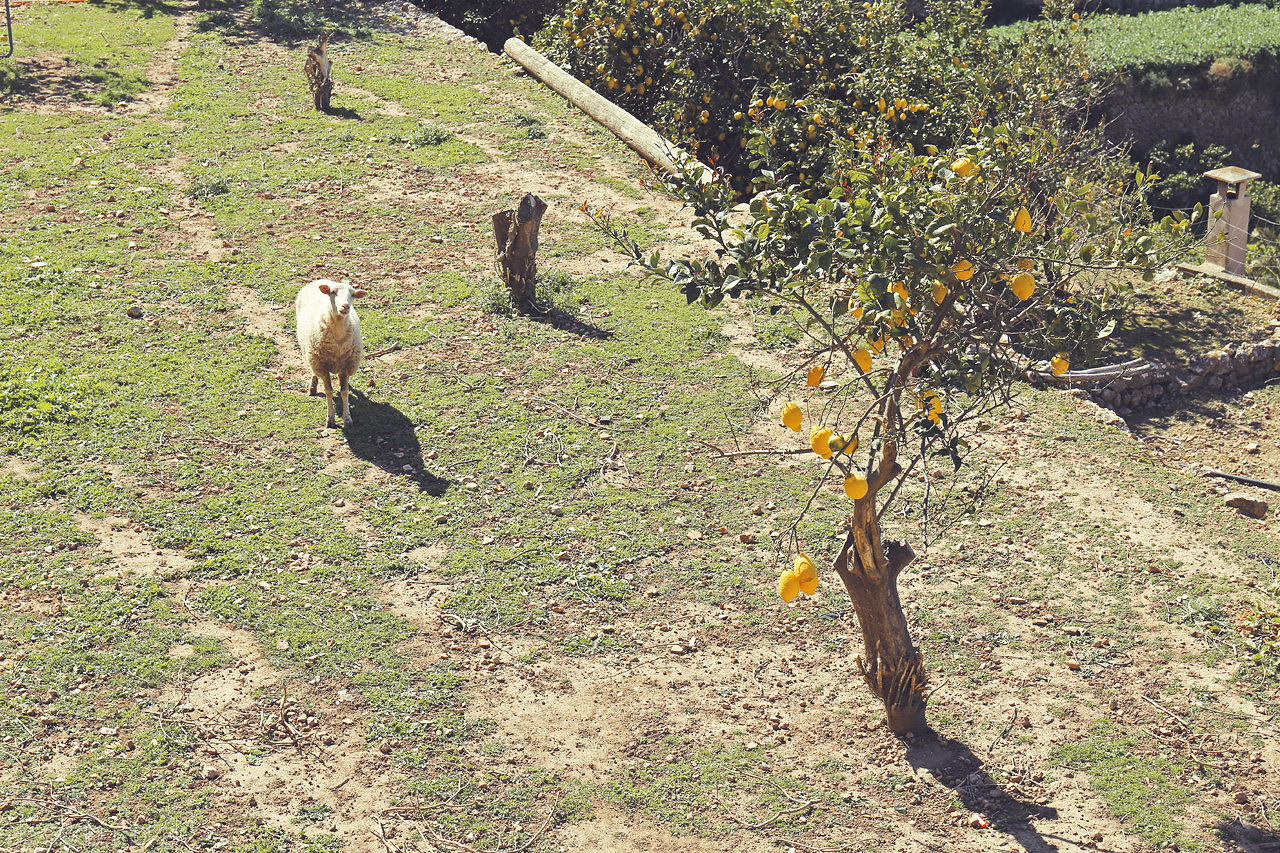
<point x="801" y="805"/>
<point x="383" y="351"/>
<point x="54" y="804"/>
<point x="1248" y="481"/>
<point x="459" y="847"/>
<point x="720" y="454"/>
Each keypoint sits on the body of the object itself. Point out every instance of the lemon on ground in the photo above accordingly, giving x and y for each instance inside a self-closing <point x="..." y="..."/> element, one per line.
<point x="963" y="167"/>
<point x="1060" y="364"/>
<point x="939" y="292"/>
<point x="862" y="359"/>
<point x="843" y="443"/>
<point x="1023" y="285"/>
<point x="791" y="416"/>
<point x="815" y="375"/>
<point x="855" y="486"/>
<point x="788" y="585"/>
<point x="963" y="270"/>
<point x="1022" y="221"/>
<point x="805" y="569"/>
<point x="818" y="437"/>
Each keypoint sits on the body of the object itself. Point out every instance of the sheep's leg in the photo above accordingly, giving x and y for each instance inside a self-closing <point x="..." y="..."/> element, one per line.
<point x="345" y="387"/>
<point x="314" y="380"/>
<point x="328" y="397"/>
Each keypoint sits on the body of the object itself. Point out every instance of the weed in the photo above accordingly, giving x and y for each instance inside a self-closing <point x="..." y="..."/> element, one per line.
<point x="1138" y="786"/>
<point x="206" y="187"/>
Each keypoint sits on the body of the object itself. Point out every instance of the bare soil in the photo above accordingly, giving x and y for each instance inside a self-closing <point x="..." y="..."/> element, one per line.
<point x="714" y="674"/>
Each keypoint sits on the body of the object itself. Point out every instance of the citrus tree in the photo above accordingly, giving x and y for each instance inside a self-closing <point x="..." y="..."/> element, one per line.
<point x="927" y="282"/>
<point x="707" y="73"/>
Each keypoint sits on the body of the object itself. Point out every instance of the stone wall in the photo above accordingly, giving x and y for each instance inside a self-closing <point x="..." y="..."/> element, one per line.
<point x="1244" y="365"/>
<point x="1243" y="116"/>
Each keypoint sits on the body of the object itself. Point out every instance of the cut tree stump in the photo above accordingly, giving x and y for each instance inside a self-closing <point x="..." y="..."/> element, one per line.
<point x="516" y="234"/>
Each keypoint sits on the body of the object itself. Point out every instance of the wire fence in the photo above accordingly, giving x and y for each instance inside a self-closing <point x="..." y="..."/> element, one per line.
<point x="1262" y="237"/>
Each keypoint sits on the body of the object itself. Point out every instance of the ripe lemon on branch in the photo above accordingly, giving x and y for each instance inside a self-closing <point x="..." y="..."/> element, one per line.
<point x="788" y="585"/>
<point x="1022" y="221"/>
<point x="855" y="486"/>
<point x="792" y="416"/>
<point x="819" y="438"/>
<point x="1023" y="285"/>
<point x="842" y="443"/>
<point x="806" y="574"/>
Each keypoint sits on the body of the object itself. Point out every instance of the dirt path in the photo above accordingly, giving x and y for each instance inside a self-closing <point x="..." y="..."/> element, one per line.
<point x="672" y="721"/>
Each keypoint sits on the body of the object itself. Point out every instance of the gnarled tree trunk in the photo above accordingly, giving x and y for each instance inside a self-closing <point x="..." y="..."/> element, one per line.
<point x="515" y="233"/>
<point x="869" y="569"/>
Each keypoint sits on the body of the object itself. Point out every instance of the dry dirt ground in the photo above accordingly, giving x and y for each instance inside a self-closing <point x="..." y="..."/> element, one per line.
<point x="713" y="675"/>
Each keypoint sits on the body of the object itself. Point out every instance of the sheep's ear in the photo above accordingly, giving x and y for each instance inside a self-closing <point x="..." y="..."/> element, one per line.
<point x="324" y="288"/>
<point x="359" y="293"/>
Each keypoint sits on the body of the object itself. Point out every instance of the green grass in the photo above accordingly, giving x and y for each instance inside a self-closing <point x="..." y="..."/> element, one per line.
<point x="1135" y="780"/>
<point x="1159" y="45"/>
<point x="547" y="463"/>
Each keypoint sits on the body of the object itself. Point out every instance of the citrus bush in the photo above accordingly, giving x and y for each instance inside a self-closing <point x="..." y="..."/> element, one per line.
<point x="708" y="73"/>
<point x="930" y="282"/>
<point x="494" y="21"/>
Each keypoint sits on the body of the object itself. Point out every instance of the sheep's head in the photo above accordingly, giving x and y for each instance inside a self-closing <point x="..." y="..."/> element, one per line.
<point x="340" y="295"/>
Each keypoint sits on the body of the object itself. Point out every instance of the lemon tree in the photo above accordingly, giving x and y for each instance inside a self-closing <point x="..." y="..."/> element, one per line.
<point x="710" y="73"/>
<point x="931" y="280"/>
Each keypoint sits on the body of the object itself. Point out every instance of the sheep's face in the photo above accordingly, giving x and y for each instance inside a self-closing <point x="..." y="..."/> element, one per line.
<point x="340" y="296"/>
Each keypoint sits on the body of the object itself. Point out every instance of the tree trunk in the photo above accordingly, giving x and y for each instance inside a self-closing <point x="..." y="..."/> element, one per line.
<point x="891" y="664"/>
<point x="516" y="234"/>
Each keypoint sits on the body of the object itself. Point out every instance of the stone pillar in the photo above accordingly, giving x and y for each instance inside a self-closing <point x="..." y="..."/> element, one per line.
<point x="1228" y="232"/>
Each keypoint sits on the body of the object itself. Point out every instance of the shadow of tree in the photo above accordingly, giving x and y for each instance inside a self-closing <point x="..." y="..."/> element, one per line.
<point x="343" y="112"/>
<point x="957" y="768"/>
<point x="144" y="8"/>
<point x="1248" y="838"/>
<point x="383" y="436"/>
<point x="564" y="320"/>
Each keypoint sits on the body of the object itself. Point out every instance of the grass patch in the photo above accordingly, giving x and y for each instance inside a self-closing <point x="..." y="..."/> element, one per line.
<point x="1135" y="781"/>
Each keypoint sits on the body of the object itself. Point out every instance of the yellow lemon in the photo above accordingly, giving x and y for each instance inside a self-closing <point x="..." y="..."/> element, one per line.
<point x="818" y="437"/>
<point x="1023" y="285"/>
<point x="963" y="167"/>
<point x="1022" y="221"/>
<point x="900" y="289"/>
<point x="931" y="405"/>
<point x="788" y="585"/>
<point x="843" y="443"/>
<point x="939" y="292"/>
<point x="855" y="486"/>
<point x="862" y="359"/>
<point x="963" y="270"/>
<point x="876" y="344"/>
<point x="804" y="568"/>
<point x="791" y="416"/>
<point x="1026" y="264"/>
<point x="1060" y="364"/>
<point x="815" y="375"/>
<point x="810" y="586"/>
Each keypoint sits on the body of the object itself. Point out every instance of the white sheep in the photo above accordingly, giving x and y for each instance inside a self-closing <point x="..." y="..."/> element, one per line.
<point x="329" y="336"/>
